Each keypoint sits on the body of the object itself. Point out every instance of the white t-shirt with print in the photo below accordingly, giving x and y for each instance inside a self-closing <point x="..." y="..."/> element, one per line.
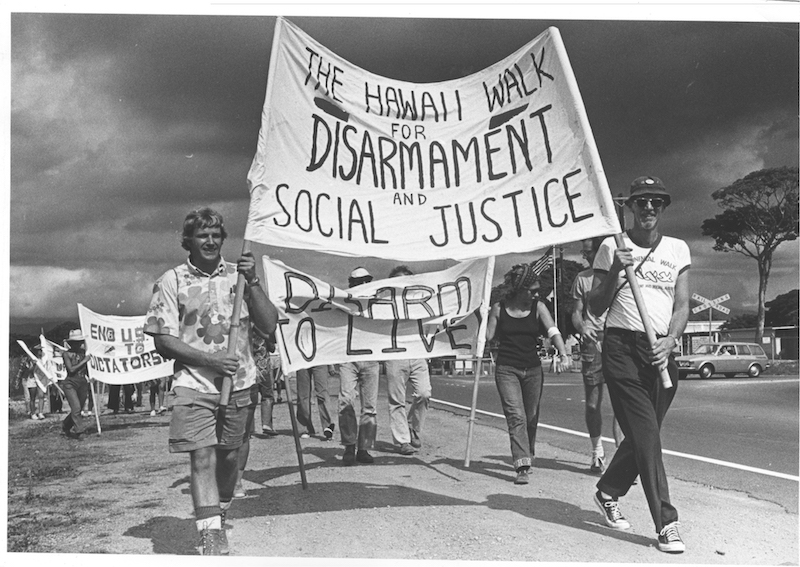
<point x="580" y="291"/>
<point x="656" y="277"/>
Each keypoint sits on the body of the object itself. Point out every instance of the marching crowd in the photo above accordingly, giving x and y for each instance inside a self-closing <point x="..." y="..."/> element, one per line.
<point x="193" y="302"/>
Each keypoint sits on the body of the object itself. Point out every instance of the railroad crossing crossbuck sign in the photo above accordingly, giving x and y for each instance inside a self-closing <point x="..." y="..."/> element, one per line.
<point x="711" y="303"/>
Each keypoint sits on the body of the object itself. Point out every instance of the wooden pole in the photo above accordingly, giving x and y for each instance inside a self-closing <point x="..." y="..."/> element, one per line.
<point x="295" y="433"/>
<point x="472" y="409"/>
<point x="637" y="297"/>
<point x="481" y="345"/>
<point x="96" y="408"/>
<point x="233" y="335"/>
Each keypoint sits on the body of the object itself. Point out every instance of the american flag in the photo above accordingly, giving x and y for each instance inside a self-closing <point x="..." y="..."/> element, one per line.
<point x="543" y="263"/>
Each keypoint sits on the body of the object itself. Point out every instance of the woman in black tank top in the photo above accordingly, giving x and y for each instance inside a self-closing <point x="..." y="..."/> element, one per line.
<point x="515" y="322"/>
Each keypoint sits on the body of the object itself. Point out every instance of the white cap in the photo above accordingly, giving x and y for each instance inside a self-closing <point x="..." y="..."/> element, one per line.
<point x="359" y="273"/>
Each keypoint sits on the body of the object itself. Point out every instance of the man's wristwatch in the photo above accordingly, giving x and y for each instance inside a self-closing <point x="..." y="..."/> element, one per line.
<point x="255" y="282"/>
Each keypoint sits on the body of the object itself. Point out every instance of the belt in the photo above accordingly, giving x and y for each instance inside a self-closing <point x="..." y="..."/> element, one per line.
<point x="629" y="333"/>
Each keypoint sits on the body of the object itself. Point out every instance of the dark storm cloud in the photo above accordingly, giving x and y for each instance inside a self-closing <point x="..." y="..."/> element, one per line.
<point x="122" y="123"/>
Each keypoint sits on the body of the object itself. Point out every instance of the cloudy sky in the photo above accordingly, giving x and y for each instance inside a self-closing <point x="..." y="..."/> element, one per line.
<point x="120" y="124"/>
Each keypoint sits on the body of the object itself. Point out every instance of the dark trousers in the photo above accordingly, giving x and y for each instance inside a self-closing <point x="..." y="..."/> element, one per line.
<point x="76" y="392"/>
<point x="113" y="396"/>
<point x="55" y="399"/>
<point x="640" y="403"/>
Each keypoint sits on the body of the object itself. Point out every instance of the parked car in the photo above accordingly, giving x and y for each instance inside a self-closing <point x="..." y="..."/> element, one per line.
<point x="726" y="358"/>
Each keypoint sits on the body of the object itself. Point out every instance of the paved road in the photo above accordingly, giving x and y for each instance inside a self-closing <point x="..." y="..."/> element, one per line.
<point x="745" y="421"/>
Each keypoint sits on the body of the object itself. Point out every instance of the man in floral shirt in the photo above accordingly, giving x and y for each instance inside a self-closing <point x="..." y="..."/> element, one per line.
<point x="189" y="318"/>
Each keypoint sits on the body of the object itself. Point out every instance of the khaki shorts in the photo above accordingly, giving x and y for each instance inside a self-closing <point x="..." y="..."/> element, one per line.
<point x="592" y="363"/>
<point x="194" y="424"/>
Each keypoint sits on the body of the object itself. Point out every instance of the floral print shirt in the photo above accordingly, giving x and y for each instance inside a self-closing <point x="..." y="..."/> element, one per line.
<point x="196" y="308"/>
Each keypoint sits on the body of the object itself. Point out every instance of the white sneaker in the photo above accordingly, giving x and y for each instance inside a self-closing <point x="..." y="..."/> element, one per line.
<point x="304" y="435"/>
<point x="152" y="413"/>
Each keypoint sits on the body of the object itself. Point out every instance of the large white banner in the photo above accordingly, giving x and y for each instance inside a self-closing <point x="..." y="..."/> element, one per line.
<point x="352" y="163"/>
<point x="421" y="316"/>
<point x="120" y="351"/>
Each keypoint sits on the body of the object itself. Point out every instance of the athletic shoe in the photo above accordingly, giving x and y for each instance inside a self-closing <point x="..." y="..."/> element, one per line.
<point x="415" y="442"/>
<point x="304" y="435"/>
<point x="152" y="413"/>
<point x="611" y="514"/>
<point x="349" y="457"/>
<point x="268" y="431"/>
<point x="364" y="457"/>
<point x="224" y="548"/>
<point x="406" y="449"/>
<point x="162" y="410"/>
<point x="42" y="416"/>
<point x="210" y="542"/>
<point x="598" y="465"/>
<point x="669" y="540"/>
<point x="34" y="416"/>
<point x="522" y="476"/>
<point x="239" y="491"/>
<point x="328" y="432"/>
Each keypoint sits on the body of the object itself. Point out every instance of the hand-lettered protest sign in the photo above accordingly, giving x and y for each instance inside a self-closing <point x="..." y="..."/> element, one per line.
<point x="352" y="163"/>
<point x="120" y="352"/>
<point x="421" y="316"/>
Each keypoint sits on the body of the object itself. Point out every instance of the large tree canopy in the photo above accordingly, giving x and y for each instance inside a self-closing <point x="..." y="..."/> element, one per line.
<point x="759" y="213"/>
<point x="782" y="311"/>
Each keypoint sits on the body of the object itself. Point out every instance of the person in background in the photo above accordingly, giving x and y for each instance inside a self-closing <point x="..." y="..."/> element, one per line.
<point x="76" y="385"/>
<point x="56" y="401"/>
<point x="406" y="425"/>
<point x="266" y="366"/>
<point x="358" y="379"/>
<point x="190" y="318"/>
<point x="631" y="366"/>
<point x="157" y="387"/>
<point x="516" y="322"/>
<point x="318" y="376"/>
<point x="113" y="397"/>
<point x="35" y="395"/>
<point x="590" y="329"/>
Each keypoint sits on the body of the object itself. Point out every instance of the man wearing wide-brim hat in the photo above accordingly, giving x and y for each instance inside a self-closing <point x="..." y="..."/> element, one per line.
<point x="75" y="386"/>
<point x="631" y="367"/>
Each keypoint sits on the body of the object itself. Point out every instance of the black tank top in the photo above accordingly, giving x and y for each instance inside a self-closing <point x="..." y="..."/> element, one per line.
<point x="517" y="338"/>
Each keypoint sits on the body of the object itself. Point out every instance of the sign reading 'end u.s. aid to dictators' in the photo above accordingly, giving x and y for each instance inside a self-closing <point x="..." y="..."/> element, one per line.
<point x="352" y="163"/>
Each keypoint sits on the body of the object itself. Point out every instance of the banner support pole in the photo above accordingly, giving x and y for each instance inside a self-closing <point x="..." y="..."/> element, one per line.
<point x="293" y="419"/>
<point x="600" y="178"/>
<point x="96" y="407"/>
<point x="481" y="345"/>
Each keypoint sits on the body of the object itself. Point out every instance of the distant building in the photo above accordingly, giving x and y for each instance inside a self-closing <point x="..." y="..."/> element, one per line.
<point x="778" y="342"/>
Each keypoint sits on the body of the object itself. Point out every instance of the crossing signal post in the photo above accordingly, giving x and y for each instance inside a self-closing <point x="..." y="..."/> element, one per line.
<point x="710" y="304"/>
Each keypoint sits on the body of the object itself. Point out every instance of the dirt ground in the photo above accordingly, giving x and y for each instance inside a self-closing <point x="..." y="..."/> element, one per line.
<point x="122" y="493"/>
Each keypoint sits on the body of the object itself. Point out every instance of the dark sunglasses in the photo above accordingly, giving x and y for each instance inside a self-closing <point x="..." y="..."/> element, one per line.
<point x="642" y="202"/>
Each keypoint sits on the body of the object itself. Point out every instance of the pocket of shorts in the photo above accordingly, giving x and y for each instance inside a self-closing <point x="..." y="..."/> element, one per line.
<point x="242" y="402"/>
<point x="175" y="399"/>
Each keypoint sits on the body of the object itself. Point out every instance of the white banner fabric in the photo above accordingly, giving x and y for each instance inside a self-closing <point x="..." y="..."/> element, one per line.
<point x="52" y="359"/>
<point x="41" y="375"/>
<point x="120" y="351"/>
<point x="420" y="316"/>
<point x="355" y="164"/>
